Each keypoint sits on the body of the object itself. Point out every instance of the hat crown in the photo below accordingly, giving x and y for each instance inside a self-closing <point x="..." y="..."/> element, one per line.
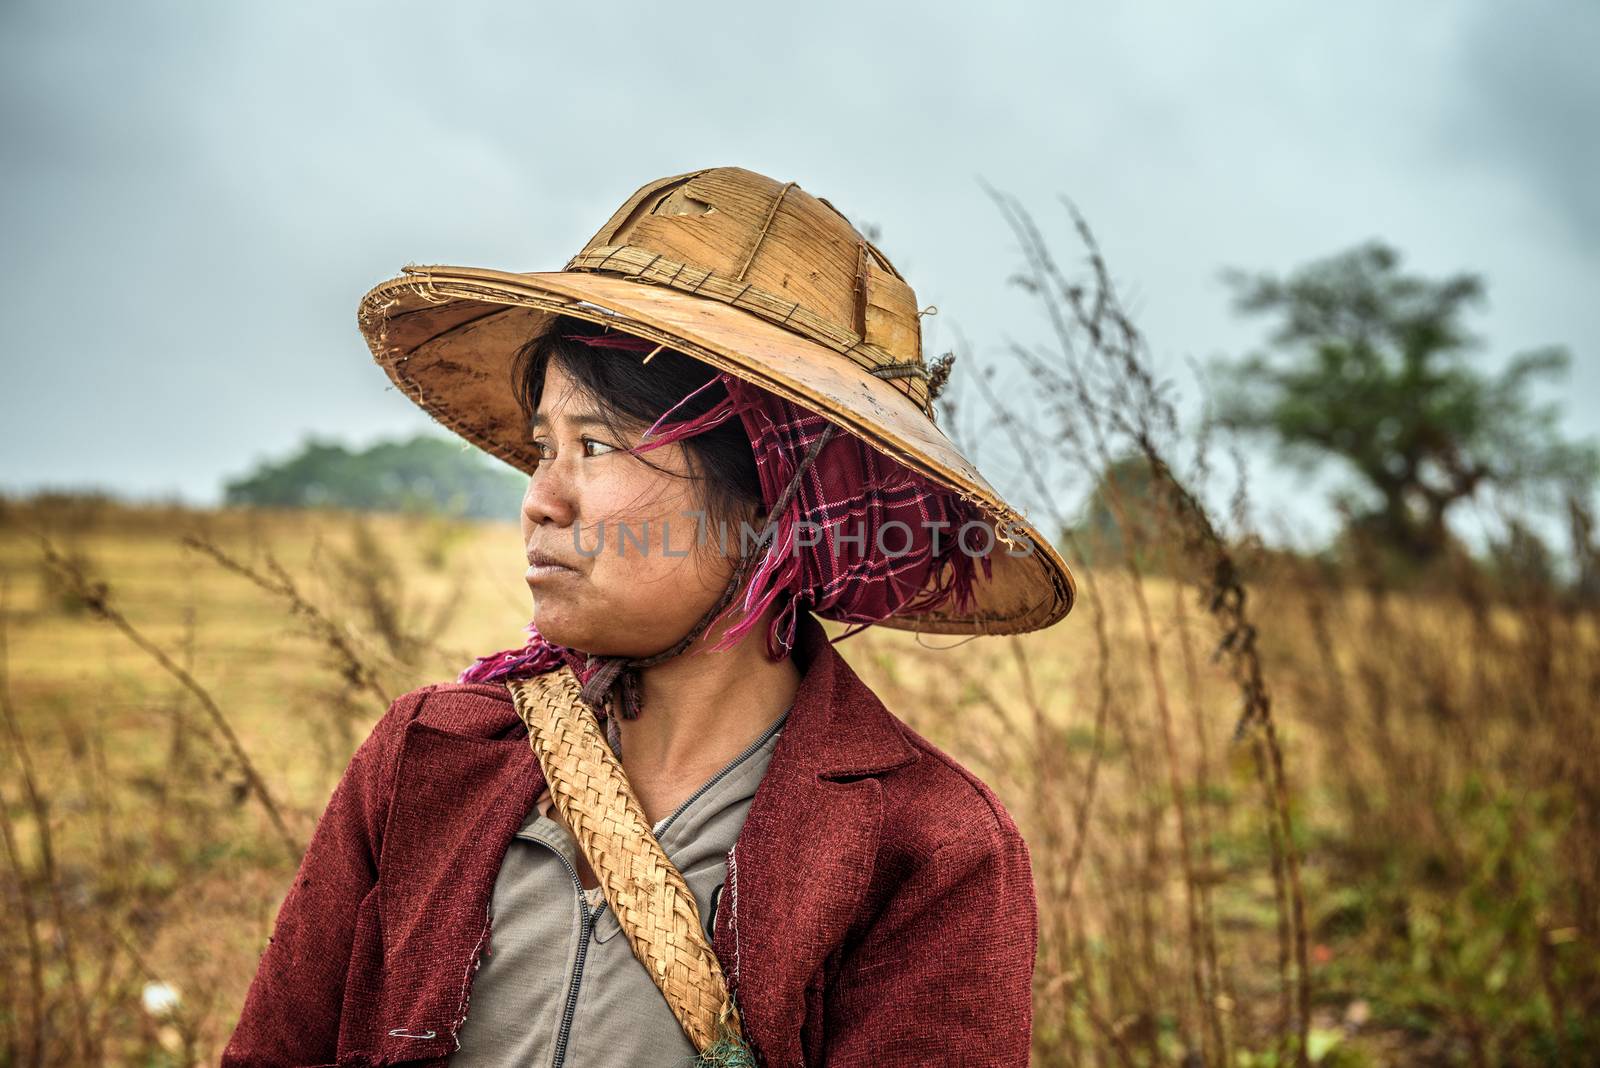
<point x="771" y="248"/>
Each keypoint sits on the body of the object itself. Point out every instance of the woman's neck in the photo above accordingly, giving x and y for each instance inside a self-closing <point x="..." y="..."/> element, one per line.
<point x="700" y="710"/>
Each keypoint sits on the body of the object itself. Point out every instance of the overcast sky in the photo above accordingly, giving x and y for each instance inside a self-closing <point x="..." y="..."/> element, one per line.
<point x="196" y="195"/>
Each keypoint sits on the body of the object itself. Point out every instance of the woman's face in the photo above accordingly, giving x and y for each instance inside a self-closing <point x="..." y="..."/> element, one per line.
<point x="618" y="564"/>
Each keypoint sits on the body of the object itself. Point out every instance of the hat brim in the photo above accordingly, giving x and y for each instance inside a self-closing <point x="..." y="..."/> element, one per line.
<point x="447" y="336"/>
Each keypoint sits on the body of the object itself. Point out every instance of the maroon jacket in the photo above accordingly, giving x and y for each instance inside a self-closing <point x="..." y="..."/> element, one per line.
<point x="878" y="909"/>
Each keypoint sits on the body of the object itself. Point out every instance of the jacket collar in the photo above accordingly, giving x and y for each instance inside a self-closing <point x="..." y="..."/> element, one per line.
<point x="836" y="719"/>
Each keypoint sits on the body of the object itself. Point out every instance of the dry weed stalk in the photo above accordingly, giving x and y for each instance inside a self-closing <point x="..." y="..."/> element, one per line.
<point x="352" y="665"/>
<point x="376" y="586"/>
<point x="82" y="1036"/>
<point x="97" y="596"/>
<point x="1104" y="401"/>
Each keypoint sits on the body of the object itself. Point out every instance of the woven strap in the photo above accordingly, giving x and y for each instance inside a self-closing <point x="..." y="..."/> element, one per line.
<point x="648" y="894"/>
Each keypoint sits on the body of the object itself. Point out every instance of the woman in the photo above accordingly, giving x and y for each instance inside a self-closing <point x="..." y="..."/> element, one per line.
<point x="727" y="423"/>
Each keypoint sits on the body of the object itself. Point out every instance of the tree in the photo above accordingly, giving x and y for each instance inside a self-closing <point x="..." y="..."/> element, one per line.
<point x="426" y="473"/>
<point x="1371" y="368"/>
<point x="1121" y="517"/>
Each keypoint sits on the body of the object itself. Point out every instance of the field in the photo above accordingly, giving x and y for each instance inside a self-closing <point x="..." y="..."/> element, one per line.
<point x="1394" y="860"/>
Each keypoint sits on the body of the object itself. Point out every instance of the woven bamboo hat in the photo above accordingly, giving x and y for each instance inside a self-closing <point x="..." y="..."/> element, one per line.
<point x="753" y="276"/>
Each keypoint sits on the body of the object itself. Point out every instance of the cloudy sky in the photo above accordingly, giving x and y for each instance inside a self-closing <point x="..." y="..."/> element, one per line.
<point x="196" y="195"/>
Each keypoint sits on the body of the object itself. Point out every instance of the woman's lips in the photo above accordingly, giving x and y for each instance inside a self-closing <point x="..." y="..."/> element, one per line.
<point x="539" y="572"/>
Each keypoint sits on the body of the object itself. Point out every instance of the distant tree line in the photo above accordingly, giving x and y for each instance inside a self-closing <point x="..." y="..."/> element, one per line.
<point x="423" y="474"/>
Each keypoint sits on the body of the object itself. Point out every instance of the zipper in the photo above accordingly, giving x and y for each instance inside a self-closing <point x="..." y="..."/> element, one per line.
<point x="766" y="735"/>
<point x="589" y="919"/>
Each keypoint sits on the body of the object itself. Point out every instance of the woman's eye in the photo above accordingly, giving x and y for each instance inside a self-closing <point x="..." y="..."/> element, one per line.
<point x="546" y="453"/>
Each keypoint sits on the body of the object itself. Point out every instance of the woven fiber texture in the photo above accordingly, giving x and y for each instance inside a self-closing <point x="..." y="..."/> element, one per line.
<point x="652" y="902"/>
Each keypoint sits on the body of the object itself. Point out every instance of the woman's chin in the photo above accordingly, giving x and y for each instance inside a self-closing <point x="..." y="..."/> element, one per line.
<point x="600" y="637"/>
<point x="559" y="627"/>
<point x="578" y="631"/>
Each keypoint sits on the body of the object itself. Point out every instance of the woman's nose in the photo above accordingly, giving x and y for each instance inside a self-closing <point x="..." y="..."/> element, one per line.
<point x="549" y="497"/>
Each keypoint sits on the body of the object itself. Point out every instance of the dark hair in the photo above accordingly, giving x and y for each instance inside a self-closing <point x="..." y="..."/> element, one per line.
<point x="631" y="395"/>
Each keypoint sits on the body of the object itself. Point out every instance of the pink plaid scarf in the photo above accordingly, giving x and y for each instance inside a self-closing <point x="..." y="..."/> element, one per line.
<point x="863" y="538"/>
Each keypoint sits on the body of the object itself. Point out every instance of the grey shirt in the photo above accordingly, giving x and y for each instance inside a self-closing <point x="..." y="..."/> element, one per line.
<point x="559" y="984"/>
